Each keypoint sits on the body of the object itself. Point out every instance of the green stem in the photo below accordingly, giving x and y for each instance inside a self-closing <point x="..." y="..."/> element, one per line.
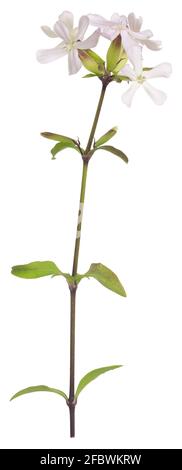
<point x="73" y="288"/>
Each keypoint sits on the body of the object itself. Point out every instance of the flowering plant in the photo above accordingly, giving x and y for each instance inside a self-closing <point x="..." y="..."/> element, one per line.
<point x="123" y="64"/>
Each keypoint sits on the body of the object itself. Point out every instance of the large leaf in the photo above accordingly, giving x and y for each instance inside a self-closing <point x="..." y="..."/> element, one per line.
<point x="105" y="276"/>
<point x="115" y="151"/>
<point x="58" y="137"/>
<point x="114" y="53"/>
<point x="106" y="137"/>
<point x="36" y="269"/>
<point x="39" y="388"/>
<point x="92" y="376"/>
<point x="62" y="146"/>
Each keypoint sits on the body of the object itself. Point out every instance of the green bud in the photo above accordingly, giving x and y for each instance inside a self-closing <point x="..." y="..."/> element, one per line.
<point x="114" y="53"/>
<point x="92" y="62"/>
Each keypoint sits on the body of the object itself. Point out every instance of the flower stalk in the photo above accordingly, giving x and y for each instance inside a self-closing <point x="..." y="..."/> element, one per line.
<point x="73" y="287"/>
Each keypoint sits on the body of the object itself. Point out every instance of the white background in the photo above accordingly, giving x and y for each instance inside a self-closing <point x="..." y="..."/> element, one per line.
<point x="132" y="223"/>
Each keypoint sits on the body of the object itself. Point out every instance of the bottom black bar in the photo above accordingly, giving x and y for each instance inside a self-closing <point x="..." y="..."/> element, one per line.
<point x="71" y="458"/>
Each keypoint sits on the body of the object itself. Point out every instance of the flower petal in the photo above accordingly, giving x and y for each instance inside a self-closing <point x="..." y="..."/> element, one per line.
<point x="97" y="20"/>
<point x="152" y="44"/>
<point x="61" y="30"/>
<point x="161" y="70"/>
<point x="49" y="32"/>
<point x="142" y="35"/>
<point x="121" y="20"/>
<point x="49" y="55"/>
<point x="67" y="18"/>
<point x="109" y="33"/>
<point x="116" y="18"/>
<point x="135" y="57"/>
<point x="158" y="96"/>
<point x="129" y="94"/>
<point x="82" y="26"/>
<point x="135" y="23"/>
<point x="90" y="42"/>
<point x="127" y="71"/>
<point x="127" y="41"/>
<point x="74" y="63"/>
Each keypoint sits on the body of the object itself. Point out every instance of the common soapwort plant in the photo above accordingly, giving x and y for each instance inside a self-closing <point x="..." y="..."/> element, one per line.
<point x="123" y="65"/>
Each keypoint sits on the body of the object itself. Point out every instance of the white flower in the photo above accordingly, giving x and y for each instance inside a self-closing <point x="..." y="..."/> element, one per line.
<point x="72" y="41"/>
<point x="129" y="28"/>
<point x="139" y="77"/>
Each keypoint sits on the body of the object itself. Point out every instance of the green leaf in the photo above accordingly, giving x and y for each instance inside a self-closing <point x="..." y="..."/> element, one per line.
<point x="92" y="376"/>
<point x="146" y="69"/>
<point x="121" y="78"/>
<point x="62" y="146"/>
<point x="36" y="269"/>
<point x="105" y="276"/>
<point x="106" y="137"/>
<point x="39" y="388"/>
<point x="58" y="138"/>
<point x="92" y="62"/>
<point x="115" y="151"/>
<point x="89" y="75"/>
<point x="114" y="53"/>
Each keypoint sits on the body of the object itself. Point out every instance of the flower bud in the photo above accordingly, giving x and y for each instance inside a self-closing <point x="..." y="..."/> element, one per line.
<point x="92" y="62"/>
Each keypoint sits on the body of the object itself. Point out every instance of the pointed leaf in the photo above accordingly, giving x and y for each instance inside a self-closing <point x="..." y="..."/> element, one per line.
<point x="36" y="269"/>
<point x="146" y="69"/>
<point x="121" y="78"/>
<point x="106" y="137"/>
<point x="62" y="146"/>
<point x="105" y="276"/>
<point x="115" y="151"/>
<point x="114" y="53"/>
<point x="89" y="75"/>
<point x="58" y="138"/>
<point x="39" y="388"/>
<point x="92" y="376"/>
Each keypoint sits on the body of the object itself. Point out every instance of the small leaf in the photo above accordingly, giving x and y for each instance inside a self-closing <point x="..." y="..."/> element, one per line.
<point x="121" y="78"/>
<point x="106" y="137"/>
<point x="89" y="75"/>
<point x="92" y="62"/>
<point x="92" y="376"/>
<point x="62" y="146"/>
<point x="58" y="138"/>
<point x="114" y="53"/>
<point x="146" y="69"/>
<point x="36" y="269"/>
<point x="38" y="388"/>
<point x="115" y="151"/>
<point x="105" y="276"/>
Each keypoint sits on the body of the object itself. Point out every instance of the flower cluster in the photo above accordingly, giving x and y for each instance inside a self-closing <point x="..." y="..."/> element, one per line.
<point x="125" y="52"/>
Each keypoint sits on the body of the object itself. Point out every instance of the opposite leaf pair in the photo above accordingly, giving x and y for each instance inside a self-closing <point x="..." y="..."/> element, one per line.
<point x="64" y="142"/>
<point x="92" y="375"/>
<point x="98" y="271"/>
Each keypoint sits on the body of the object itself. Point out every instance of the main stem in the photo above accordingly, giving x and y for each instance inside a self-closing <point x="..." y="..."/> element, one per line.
<point x="73" y="287"/>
